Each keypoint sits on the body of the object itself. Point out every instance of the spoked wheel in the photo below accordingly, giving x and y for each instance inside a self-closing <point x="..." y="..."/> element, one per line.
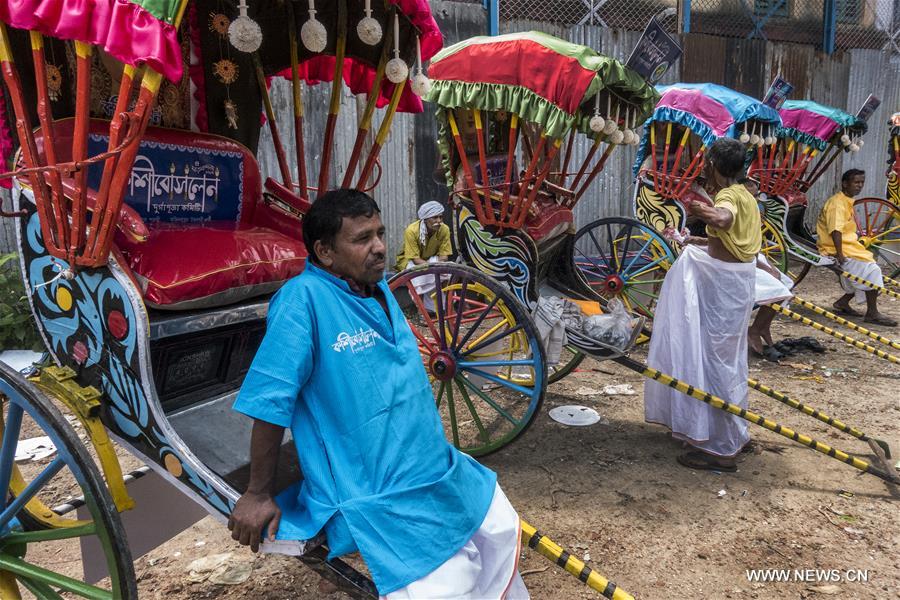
<point x="569" y="360"/>
<point x="481" y="351"/>
<point x="618" y="257"/>
<point x="775" y="250"/>
<point x="30" y="531"/>
<point x="878" y="228"/>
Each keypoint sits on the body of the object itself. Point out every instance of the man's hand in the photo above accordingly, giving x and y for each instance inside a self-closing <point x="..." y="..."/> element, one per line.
<point x="251" y="513"/>
<point x="840" y="259"/>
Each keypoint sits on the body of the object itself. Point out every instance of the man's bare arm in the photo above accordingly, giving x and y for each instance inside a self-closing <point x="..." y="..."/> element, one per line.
<point x="256" y="507"/>
<point x="720" y="218"/>
<point x="838" y="246"/>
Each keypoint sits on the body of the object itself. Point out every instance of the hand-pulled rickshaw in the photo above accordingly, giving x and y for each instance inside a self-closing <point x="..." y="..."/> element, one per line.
<point x="688" y="118"/>
<point x="878" y="219"/>
<point x="526" y="123"/>
<point x="810" y="139"/>
<point x="489" y="378"/>
<point x="149" y="253"/>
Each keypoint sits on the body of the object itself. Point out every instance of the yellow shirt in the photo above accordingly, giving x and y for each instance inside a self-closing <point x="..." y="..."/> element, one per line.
<point x="436" y="244"/>
<point x="744" y="238"/>
<point x="837" y="215"/>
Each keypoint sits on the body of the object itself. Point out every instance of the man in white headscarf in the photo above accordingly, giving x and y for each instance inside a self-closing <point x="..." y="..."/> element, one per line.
<point x="425" y="240"/>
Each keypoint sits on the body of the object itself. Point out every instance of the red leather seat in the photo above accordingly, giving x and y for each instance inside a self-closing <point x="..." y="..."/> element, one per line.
<point x="200" y="232"/>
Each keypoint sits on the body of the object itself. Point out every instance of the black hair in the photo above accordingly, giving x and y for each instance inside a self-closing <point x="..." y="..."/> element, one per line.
<point x="850" y="174"/>
<point x="727" y="156"/>
<point x="324" y="219"/>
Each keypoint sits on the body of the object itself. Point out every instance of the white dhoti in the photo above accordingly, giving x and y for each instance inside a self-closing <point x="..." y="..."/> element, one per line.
<point x="486" y="567"/>
<point x="700" y="337"/>
<point x="769" y="290"/>
<point x="869" y="271"/>
<point x="424" y="285"/>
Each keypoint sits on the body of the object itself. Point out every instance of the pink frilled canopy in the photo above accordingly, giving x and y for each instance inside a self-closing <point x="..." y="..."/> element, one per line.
<point x="145" y="31"/>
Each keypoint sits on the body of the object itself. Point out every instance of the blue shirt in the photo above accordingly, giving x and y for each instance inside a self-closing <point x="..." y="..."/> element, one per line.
<point x="379" y="474"/>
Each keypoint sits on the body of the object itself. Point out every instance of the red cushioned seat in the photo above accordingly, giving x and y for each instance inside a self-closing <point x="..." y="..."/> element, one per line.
<point x="183" y="267"/>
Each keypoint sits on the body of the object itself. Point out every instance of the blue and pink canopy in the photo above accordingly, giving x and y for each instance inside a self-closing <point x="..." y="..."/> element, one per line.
<point x="815" y="124"/>
<point x="709" y="110"/>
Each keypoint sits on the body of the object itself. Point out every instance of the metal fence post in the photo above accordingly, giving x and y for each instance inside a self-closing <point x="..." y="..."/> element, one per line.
<point x="493" y="8"/>
<point x="829" y="26"/>
<point x="685" y="16"/>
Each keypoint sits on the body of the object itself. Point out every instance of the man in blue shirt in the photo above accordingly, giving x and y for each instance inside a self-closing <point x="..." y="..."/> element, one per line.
<point x="340" y="367"/>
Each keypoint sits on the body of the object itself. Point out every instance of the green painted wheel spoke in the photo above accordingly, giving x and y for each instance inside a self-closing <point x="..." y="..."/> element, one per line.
<point x="482" y="433"/>
<point x="646" y="310"/>
<point x="642" y="292"/>
<point x="490" y="402"/>
<point x="451" y="406"/>
<point x="26" y="570"/>
<point x="41" y="590"/>
<point x="440" y="396"/>
<point x="48" y="535"/>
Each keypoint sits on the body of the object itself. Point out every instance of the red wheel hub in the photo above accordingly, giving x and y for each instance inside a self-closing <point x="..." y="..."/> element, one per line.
<point x="442" y="365"/>
<point x="613" y="284"/>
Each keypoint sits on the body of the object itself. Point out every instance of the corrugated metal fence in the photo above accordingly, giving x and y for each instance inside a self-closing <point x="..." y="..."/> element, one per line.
<point x="410" y="157"/>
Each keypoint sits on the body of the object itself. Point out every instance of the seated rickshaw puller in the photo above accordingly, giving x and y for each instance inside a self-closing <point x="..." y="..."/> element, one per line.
<point x="702" y="317"/>
<point x="340" y="367"/>
<point x="836" y="231"/>
<point x="425" y="240"/>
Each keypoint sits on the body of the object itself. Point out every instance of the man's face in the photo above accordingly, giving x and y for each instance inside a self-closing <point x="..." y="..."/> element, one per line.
<point x="854" y="185"/>
<point x="358" y="250"/>
<point x="432" y="224"/>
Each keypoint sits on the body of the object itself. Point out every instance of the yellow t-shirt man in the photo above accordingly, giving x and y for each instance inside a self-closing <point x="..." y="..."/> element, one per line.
<point x="744" y="238"/>
<point x="837" y="215"/>
<point x="436" y="244"/>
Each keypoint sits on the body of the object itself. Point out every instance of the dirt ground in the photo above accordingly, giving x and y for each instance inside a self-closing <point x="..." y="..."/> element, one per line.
<point x="613" y="494"/>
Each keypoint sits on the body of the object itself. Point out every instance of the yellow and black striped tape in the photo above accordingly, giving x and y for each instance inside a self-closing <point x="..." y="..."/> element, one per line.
<point x="842" y="321"/>
<point x="815" y="413"/>
<point x="754" y="418"/>
<point x="548" y="549"/>
<point x="862" y="281"/>
<point x="844" y="338"/>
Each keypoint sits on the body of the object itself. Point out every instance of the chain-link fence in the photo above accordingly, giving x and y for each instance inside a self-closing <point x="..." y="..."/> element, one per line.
<point x="856" y="23"/>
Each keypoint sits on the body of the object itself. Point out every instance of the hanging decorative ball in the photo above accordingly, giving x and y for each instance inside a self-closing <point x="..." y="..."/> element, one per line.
<point x="770" y="140"/>
<point x="744" y="138"/>
<point x="854" y="148"/>
<point x="860" y="143"/>
<point x="421" y="85"/>
<point x="314" y="35"/>
<point x="610" y="127"/>
<point x="244" y="34"/>
<point x="597" y="124"/>
<point x="396" y="70"/>
<point x="617" y="136"/>
<point x="754" y="139"/>
<point x="369" y="31"/>
<point x="845" y="139"/>
<point x="629" y="137"/>
<point x="636" y="140"/>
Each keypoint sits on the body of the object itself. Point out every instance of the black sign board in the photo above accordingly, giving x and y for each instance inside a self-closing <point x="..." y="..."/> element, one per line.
<point x="654" y="53"/>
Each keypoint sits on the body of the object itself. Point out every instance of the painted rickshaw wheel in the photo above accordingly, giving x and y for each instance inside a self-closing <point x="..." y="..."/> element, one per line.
<point x="776" y="252"/>
<point x="569" y="360"/>
<point x="619" y="257"/>
<point x="878" y="228"/>
<point x="481" y="351"/>
<point x="27" y="413"/>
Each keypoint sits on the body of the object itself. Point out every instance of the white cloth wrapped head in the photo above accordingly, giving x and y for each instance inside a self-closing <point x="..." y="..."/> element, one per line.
<point x="430" y="209"/>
